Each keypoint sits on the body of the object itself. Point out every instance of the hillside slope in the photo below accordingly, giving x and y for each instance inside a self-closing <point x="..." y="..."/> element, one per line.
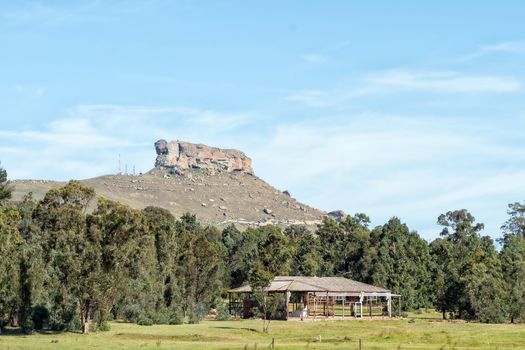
<point x="216" y="197"/>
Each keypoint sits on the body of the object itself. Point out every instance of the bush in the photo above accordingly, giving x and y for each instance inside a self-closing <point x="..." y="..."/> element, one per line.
<point x="40" y="317"/>
<point x="104" y="327"/>
<point x="177" y="317"/>
<point x="131" y="313"/>
<point x="145" y="321"/>
<point x="196" y="313"/>
<point x="223" y="313"/>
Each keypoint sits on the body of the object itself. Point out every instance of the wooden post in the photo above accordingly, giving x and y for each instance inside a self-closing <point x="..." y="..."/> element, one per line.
<point x="359" y="343"/>
<point x="287" y="296"/>
<point x="344" y="308"/>
<point x="326" y="306"/>
<point x="369" y="307"/>
<point x="389" y="306"/>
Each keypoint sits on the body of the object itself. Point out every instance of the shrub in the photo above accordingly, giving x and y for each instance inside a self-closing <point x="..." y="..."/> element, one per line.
<point x="40" y="317"/>
<point x="131" y="313"/>
<point x="145" y="321"/>
<point x="177" y="317"/>
<point x="223" y="313"/>
<point x="105" y="327"/>
<point x="196" y="313"/>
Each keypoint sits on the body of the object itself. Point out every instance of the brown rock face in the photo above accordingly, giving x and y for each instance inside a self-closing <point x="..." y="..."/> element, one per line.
<point x="186" y="156"/>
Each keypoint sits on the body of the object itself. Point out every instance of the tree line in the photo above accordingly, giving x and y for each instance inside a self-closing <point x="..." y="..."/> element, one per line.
<point x="71" y="264"/>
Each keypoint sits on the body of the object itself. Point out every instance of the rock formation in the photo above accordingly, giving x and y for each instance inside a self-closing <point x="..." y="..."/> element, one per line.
<point x="339" y="215"/>
<point x="182" y="156"/>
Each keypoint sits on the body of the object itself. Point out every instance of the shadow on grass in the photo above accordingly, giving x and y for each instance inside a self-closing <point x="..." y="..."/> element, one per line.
<point x="19" y="332"/>
<point x="239" y="328"/>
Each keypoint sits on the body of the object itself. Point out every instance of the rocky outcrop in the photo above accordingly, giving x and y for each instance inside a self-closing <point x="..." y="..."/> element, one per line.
<point x="339" y="215"/>
<point x="182" y="156"/>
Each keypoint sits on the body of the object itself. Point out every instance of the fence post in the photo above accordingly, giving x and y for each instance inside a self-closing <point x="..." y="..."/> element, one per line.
<point x="273" y="343"/>
<point x="359" y="343"/>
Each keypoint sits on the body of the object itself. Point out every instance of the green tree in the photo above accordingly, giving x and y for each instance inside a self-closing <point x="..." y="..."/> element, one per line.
<point x="512" y="257"/>
<point x="402" y="263"/>
<point x="67" y="254"/>
<point x="122" y="259"/>
<point x="199" y="274"/>
<point x="516" y="223"/>
<point x="5" y="189"/>
<point x="471" y="274"/>
<point x="10" y="241"/>
<point x="260" y="280"/>
<point x="307" y="257"/>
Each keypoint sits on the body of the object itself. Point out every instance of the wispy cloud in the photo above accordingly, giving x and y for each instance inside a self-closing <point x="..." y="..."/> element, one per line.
<point x="509" y="47"/>
<point x="87" y="139"/>
<point x="315" y="58"/>
<point x="86" y="11"/>
<point x="398" y="81"/>
<point x="323" y="55"/>
<point x="413" y="167"/>
<point x="443" y="82"/>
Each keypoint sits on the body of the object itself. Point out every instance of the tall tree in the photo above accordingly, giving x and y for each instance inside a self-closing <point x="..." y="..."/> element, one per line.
<point x="512" y="257"/>
<point x="122" y="252"/>
<point x="10" y="240"/>
<point x="67" y="253"/>
<point x="5" y="189"/>
<point x="516" y="222"/>
<point x="402" y="263"/>
<point x="471" y="272"/>
<point x="307" y="258"/>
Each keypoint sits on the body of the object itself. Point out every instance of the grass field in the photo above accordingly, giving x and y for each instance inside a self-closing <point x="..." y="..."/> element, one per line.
<point x="423" y="332"/>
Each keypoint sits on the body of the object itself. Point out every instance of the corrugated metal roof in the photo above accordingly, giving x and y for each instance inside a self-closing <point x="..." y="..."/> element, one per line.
<point x="316" y="284"/>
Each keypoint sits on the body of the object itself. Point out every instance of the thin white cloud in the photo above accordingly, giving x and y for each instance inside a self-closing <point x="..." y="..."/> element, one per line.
<point x="443" y="82"/>
<point x="315" y="58"/>
<point x="508" y="47"/>
<point x="86" y="141"/>
<point x="87" y="11"/>
<point x="412" y="167"/>
<point x="398" y="81"/>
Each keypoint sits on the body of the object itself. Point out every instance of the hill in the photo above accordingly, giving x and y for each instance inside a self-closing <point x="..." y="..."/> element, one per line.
<point x="215" y="184"/>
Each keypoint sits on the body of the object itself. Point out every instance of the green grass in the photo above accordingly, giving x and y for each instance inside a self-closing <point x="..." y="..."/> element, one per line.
<point x="424" y="333"/>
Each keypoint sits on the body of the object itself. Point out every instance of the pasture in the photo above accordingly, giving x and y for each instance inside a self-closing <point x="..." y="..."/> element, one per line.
<point x="417" y="332"/>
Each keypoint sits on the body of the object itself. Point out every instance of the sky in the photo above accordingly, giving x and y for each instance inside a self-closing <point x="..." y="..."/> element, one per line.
<point x="405" y="108"/>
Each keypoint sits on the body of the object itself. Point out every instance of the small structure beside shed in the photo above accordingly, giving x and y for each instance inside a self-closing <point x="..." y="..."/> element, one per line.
<point x="313" y="297"/>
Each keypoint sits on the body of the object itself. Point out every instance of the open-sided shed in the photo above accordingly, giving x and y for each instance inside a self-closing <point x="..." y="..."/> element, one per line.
<point x="319" y="297"/>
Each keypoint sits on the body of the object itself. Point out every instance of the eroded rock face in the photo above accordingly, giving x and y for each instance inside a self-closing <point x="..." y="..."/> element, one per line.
<point x="339" y="215"/>
<point x="186" y="156"/>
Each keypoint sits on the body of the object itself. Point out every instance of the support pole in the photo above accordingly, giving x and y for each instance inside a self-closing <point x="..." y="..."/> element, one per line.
<point x="344" y="308"/>
<point x="389" y="306"/>
<point x="326" y="306"/>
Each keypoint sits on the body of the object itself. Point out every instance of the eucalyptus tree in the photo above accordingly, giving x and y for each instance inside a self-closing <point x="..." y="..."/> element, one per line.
<point x="512" y="257"/>
<point x="67" y="254"/>
<point x="470" y="281"/>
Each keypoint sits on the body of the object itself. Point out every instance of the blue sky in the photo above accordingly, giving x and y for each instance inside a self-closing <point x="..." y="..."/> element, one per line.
<point x="404" y="108"/>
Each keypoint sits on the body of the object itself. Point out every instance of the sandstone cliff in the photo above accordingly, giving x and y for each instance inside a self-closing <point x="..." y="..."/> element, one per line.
<point x="182" y="156"/>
